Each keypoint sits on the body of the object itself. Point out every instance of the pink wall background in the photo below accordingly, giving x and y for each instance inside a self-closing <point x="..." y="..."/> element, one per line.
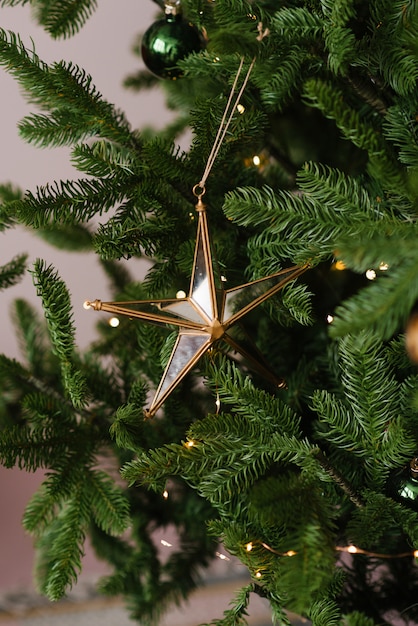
<point x="103" y="49"/>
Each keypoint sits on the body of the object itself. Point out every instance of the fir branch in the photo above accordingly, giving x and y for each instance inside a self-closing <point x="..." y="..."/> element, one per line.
<point x="64" y="18"/>
<point x="36" y="447"/>
<point x="127" y="427"/>
<point x="256" y="405"/>
<point x="279" y="81"/>
<point x="370" y="421"/>
<point x="66" y="544"/>
<point x="57" y="306"/>
<point x="13" y="3"/>
<point x="42" y="508"/>
<point x="400" y="128"/>
<point x="25" y="66"/>
<point x="11" y="273"/>
<point x="381" y="307"/>
<point x="331" y="206"/>
<point x="236" y="615"/>
<point x="103" y="158"/>
<point x="325" y="612"/>
<point x="339" y="480"/>
<point x="59" y="128"/>
<point x="77" y="108"/>
<point x="133" y="230"/>
<point x="31" y="335"/>
<point x="110" y="507"/>
<point x="356" y="618"/>
<point x="387" y="248"/>
<point x="70" y="202"/>
<point x="42" y="409"/>
<point x="297" y="23"/>
<point x="330" y="101"/>
<point x="71" y="237"/>
<point x="8" y="193"/>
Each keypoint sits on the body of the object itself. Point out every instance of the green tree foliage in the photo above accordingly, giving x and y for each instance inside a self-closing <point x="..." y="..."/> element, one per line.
<point x="283" y="477"/>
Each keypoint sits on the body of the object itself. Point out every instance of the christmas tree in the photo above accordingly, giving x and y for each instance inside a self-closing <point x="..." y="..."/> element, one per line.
<point x="286" y="422"/>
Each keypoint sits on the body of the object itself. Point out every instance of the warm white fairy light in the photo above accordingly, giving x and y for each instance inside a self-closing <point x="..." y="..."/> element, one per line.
<point x="180" y="294"/>
<point x="256" y="160"/>
<point x="290" y="553"/>
<point x="222" y="557"/>
<point x="370" y="274"/>
<point x="86" y="305"/>
<point x="350" y="549"/>
<point x="165" y="494"/>
<point x="330" y="319"/>
<point x="114" y="322"/>
<point x="190" y="443"/>
<point x="166" y="544"/>
<point x="339" y="265"/>
<point x="384" y="267"/>
<point x="240" y="108"/>
<point x="258" y="574"/>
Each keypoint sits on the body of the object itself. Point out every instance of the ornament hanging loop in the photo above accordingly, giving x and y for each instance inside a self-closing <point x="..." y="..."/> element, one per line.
<point x="199" y="190"/>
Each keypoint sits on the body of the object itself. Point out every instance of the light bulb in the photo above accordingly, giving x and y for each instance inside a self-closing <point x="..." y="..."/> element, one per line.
<point x="256" y="160"/>
<point x="352" y="549"/>
<point x="370" y="274"/>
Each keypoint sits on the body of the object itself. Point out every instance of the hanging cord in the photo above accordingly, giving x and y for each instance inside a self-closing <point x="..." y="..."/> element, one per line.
<point x="228" y="114"/>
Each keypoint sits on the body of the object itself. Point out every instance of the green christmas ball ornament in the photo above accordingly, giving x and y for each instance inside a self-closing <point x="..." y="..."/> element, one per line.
<point x="168" y="41"/>
<point x="404" y="487"/>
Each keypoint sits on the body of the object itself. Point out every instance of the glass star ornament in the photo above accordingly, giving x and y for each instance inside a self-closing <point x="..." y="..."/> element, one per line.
<point x="205" y="316"/>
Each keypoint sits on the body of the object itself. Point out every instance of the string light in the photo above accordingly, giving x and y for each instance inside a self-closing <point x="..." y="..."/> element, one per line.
<point x="330" y="319"/>
<point x="166" y="544"/>
<point x="114" y="322"/>
<point x="190" y="443"/>
<point x="256" y="160"/>
<point x="165" y="494"/>
<point x="290" y="553"/>
<point x="384" y="267"/>
<point x="350" y="549"/>
<point x="338" y="265"/>
<point x="180" y="294"/>
<point x="223" y="557"/>
<point x="370" y="274"/>
<point x="240" y="108"/>
<point x="355" y="550"/>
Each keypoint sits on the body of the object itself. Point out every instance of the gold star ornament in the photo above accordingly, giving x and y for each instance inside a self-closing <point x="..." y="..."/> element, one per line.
<point x="203" y="317"/>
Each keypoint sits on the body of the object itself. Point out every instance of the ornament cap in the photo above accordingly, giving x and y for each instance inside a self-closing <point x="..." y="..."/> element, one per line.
<point x="172" y="7"/>
<point x="413" y="467"/>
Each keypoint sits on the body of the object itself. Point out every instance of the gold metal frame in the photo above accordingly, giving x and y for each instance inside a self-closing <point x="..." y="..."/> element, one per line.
<point x="204" y="316"/>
